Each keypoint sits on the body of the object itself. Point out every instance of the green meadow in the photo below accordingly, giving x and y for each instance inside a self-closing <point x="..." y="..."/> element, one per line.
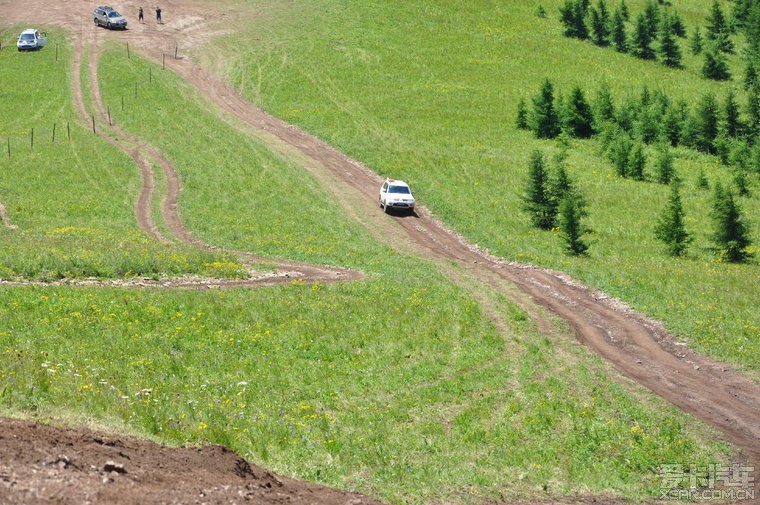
<point x="398" y="385"/>
<point x="427" y="92"/>
<point x="70" y="195"/>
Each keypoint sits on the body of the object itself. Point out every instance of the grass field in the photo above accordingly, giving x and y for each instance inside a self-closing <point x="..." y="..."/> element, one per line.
<point x="70" y="194"/>
<point x="398" y="385"/>
<point x="428" y="93"/>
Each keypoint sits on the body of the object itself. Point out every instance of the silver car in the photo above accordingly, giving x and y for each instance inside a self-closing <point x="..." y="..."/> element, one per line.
<point x="108" y="17"/>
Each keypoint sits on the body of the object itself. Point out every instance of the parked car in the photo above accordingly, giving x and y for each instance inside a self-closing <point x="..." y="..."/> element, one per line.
<point x="30" y="40"/>
<point x="396" y="195"/>
<point x="110" y="18"/>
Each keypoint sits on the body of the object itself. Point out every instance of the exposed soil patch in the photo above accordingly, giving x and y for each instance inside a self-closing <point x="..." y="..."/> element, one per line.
<point x="44" y="464"/>
<point x="637" y="346"/>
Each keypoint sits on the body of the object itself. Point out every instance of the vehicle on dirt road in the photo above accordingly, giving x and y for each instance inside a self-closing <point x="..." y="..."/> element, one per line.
<point x="396" y="194"/>
<point x="108" y="17"/>
<point x="30" y="40"/>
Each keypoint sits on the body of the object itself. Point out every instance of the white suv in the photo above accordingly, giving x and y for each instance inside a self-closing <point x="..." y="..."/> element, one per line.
<point x="30" y="39"/>
<point x="396" y="195"/>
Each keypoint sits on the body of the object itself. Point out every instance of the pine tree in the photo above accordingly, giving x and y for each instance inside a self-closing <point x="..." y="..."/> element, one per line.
<point x="543" y="119"/>
<point x="567" y="18"/>
<point x="570" y="224"/>
<point x="573" y="19"/>
<point x="730" y="235"/>
<point x="665" y="170"/>
<point x="652" y="16"/>
<point x="740" y="154"/>
<point x="604" y="108"/>
<point x="600" y="22"/>
<point x="732" y="124"/>
<point x="696" y="43"/>
<point x="741" y="12"/>
<point x="561" y="184"/>
<point x="521" y="119"/>
<point x="702" y="182"/>
<point x="671" y="226"/>
<point x="722" y="146"/>
<point x="641" y="40"/>
<point x="537" y="198"/>
<point x="677" y="25"/>
<point x="741" y="183"/>
<point x="619" y="152"/>
<point x="706" y="124"/>
<point x="648" y="123"/>
<point x="669" y="50"/>
<point x="718" y="30"/>
<point x="578" y="118"/>
<point x="671" y="129"/>
<point x="618" y="33"/>
<point x="628" y="114"/>
<point x="715" y="66"/>
<point x="581" y="9"/>
<point x="637" y="162"/>
<point x="624" y="11"/>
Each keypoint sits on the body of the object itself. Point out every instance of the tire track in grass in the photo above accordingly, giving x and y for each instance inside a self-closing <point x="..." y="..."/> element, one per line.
<point x="143" y="155"/>
<point x="634" y="344"/>
<point x="5" y="219"/>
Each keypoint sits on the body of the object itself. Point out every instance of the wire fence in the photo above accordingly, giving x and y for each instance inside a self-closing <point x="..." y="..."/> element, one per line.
<point x="23" y="139"/>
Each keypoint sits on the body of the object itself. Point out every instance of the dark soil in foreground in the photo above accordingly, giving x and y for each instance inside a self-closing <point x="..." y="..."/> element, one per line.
<point x="44" y="464"/>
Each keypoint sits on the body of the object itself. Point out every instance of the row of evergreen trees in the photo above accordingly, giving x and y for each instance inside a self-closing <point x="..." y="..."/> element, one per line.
<point x="655" y="31"/>
<point x="554" y="202"/>
<point x="719" y="127"/>
<point x="584" y="21"/>
<point x="730" y="234"/>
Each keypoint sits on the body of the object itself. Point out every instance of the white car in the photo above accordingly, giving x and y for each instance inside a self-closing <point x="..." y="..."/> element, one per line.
<point x="30" y="40"/>
<point x="396" y="194"/>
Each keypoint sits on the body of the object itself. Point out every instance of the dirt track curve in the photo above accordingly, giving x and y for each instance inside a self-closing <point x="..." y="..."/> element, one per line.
<point x="637" y="346"/>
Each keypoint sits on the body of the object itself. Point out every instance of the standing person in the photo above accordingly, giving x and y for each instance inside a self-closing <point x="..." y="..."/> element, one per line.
<point x="140" y="15"/>
<point x="158" y="14"/>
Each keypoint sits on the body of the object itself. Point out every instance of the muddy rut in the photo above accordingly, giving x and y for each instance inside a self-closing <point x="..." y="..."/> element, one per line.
<point x="637" y="346"/>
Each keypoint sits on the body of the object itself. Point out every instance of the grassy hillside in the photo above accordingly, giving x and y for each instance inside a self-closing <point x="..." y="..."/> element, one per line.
<point x="428" y="93"/>
<point x="70" y="195"/>
<point x="397" y="385"/>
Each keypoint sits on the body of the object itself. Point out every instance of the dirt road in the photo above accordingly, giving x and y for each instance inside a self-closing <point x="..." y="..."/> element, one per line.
<point x="637" y="346"/>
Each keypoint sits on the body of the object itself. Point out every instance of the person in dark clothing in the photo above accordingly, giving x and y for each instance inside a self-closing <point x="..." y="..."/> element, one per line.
<point x="140" y="15"/>
<point x="158" y="14"/>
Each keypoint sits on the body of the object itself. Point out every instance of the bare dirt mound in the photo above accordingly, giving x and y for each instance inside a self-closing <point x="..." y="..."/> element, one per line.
<point x="637" y="346"/>
<point x="43" y="464"/>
